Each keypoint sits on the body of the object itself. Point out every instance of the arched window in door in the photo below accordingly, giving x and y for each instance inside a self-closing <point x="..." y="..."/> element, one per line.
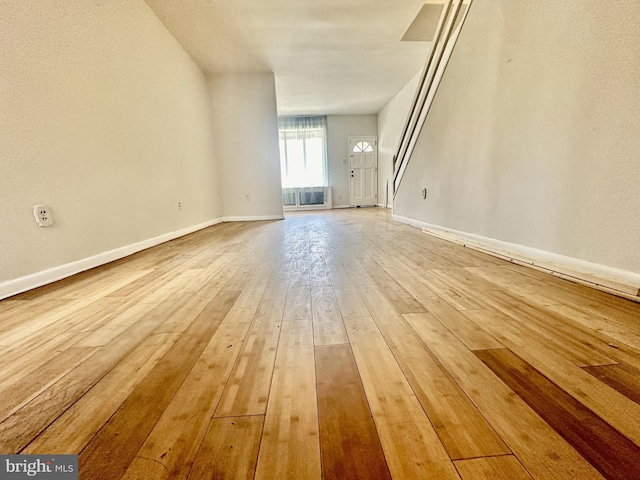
<point x="362" y="147"/>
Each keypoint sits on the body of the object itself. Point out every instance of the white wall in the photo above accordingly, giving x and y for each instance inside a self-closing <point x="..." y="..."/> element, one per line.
<point x="105" y="119"/>
<point x="245" y="131"/>
<point x="533" y="135"/>
<point x="391" y="121"/>
<point x="339" y="129"/>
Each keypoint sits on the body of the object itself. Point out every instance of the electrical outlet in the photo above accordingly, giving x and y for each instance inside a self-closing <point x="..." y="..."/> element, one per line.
<point x="424" y="193"/>
<point x="43" y="216"/>
<point x="179" y="205"/>
<point x="247" y="198"/>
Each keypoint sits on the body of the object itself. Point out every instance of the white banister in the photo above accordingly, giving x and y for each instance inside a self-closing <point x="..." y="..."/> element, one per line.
<point x="447" y="32"/>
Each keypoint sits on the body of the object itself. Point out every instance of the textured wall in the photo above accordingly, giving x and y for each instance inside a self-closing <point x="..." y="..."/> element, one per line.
<point x="245" y="132"/>
<point x="533" y="135"/>
<point x="105" y="119"/>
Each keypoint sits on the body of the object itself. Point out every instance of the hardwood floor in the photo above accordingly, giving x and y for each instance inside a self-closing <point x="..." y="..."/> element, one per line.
<point x="335" y="345"/>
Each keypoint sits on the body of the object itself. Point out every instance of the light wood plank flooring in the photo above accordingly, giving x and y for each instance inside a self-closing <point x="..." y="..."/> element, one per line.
<point x="335" y="345"/>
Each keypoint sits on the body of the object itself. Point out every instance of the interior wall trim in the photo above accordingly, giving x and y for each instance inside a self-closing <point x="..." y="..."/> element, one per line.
<point x="257" y="218"/>
<point x="38" y="279"/>
<point x="608" y="279"/>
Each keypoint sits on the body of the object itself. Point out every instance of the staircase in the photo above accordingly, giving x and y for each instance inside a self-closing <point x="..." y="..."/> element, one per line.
<point x="448" y="30"/>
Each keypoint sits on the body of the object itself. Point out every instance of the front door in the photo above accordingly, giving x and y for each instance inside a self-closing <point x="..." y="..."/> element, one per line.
<point x="363" y="163"/>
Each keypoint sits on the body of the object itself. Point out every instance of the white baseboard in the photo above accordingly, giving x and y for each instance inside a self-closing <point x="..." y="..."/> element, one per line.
<point x="252" y="218"/>
<point x="341" y="206"/>
<point x="29" y="282"/>
<point x="612" y="280"/>
<point x="306" y="208"/>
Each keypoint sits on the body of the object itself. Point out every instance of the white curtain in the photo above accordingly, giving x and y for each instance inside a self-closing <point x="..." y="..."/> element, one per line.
<point x="303" y="151"/>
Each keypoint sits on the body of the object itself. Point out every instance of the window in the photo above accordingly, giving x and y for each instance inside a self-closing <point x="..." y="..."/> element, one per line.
<point x="312" y="197"/>
<point x="289" y="198"/>
<point x="306" y="198"/>
<point x="303" y="151"/>
<point x="362" y="147"/>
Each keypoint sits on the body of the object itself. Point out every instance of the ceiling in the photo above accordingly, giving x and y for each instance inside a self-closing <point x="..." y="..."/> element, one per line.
<point x="329" y="57"/>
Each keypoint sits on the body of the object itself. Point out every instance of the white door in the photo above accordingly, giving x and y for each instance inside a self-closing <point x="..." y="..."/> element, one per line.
<point x="363" y="168"/>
